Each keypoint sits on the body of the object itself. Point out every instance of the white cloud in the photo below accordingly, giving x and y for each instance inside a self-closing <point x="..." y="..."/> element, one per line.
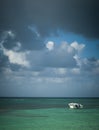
<point x="78" y="60"/>
<point x="18" y="58"/>
<point x="77" y="46"/>
<point x="50" y="45"/>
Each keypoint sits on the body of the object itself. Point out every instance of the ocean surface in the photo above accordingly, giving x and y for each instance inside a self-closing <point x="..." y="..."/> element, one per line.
<point x="48" y="114"/>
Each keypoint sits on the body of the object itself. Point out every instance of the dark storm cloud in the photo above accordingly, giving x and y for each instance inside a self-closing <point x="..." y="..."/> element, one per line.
<point x="13" y="16"/>
<point x="78" y="16"/>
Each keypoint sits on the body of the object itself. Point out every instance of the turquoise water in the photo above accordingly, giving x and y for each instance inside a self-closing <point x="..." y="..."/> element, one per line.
<point x="48" y="114"/>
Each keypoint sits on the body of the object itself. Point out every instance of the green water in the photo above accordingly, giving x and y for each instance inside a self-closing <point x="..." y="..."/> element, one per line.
<point x="48" y="114"/>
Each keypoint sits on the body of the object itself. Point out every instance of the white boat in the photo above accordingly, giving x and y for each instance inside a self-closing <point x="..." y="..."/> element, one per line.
<point x="75" y="105"/>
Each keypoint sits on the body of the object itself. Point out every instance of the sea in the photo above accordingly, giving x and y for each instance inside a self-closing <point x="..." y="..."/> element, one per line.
<point x="48" y="114"/>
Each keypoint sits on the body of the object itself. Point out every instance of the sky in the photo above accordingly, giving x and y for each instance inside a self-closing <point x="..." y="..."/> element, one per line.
<point x="49" y="48"/>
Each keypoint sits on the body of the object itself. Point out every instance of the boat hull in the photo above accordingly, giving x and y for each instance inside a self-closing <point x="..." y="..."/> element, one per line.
<point x="75" y="105"/>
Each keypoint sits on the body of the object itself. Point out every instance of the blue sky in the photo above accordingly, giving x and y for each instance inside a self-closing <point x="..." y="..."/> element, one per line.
<point x="49" y="48"/>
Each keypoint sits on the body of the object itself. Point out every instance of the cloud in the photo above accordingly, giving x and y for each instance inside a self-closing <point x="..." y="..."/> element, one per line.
<point x="54" y="67"/>
<point x="18" y="58"/>
<point x="87" y="65"/>
<point x="50" y="45"/>
<point x="13" y="54"/>
<point x="77" y="46"/>
<point x="78" y="60"/>
<point x="53" y="55"/>
<point x="75" y="81"/>
<point x="9" y="41"/>
<point x="70" y="16"/>
<point x="90" y="65"/>
<point x="62" y="56"/>
<point x="66" y="80"/>
<point x="29" y="37"/>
